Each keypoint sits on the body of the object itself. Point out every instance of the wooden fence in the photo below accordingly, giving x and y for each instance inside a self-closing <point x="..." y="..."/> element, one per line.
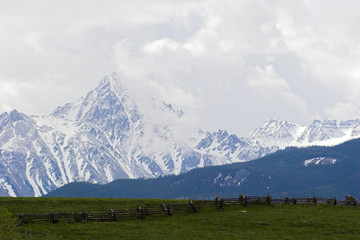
<point x="193" y="206"/>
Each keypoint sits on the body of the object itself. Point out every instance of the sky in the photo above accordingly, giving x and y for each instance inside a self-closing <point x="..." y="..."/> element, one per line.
<point x="233" y="63"/>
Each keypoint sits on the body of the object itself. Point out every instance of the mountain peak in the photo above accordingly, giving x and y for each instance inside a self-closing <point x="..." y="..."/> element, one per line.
<point x="109" y="90"/>
<point x="112" y="81"/>
<point x="14" y="116"/>
<point x="316" y="122"/>
<point x="222" y="134"/>
<point x="276" y="122"/>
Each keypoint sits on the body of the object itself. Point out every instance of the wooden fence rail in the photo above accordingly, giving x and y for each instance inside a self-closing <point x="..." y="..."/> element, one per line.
<point x="194" y="206"/>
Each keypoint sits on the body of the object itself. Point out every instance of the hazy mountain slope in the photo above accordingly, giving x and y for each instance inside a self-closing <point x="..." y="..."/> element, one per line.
<point x="294" y="172"/>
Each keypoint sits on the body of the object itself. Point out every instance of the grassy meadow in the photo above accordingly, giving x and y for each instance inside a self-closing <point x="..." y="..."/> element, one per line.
<point x="301" y="221"/>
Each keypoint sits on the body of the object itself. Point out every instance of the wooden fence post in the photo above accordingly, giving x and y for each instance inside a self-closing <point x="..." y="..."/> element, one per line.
<point x="163" y="207"/>
<point x="84" y="216"/>
<point x="315" y="200"/>
<point x="241" y="199"/>
<point x="113" y="215"/>
<point x="217" y="201"/>
<point x="192" y="205"/>
<point x="222" y="204"/>
<point x="169" y="210"/>
<point x="268" y="199"/>
<point x="295" y="200"/>
<point x="53" y="217"/>
<point x="335" y="201"/>
<point x="286" y="200"/>
<point x="166" y="209"/>
<point x="245" y="201"/>
<point x="21" y="219"/>
<point x="140" y="211"/>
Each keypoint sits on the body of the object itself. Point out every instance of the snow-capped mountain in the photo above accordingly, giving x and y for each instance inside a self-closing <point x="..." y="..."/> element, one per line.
<point x="320" y="133"/>
<point x="106" y="136"/>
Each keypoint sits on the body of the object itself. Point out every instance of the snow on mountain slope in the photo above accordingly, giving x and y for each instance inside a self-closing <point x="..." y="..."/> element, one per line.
<point x="278" y="133"/>
<point x="320" y="160"/>
<point x="105" y="136"/>
<point x="320" y="133"/>
<point x="101" y="137"/>
<point x="229" y="146"/>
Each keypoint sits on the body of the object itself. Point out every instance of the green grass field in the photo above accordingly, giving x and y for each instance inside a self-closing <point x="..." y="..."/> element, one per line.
<point x="234" y="222"/>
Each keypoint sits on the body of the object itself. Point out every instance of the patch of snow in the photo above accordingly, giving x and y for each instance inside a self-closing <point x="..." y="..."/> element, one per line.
<point x="87" y="176"/>
<point x="227" y="178"/>
<point x="7" y="187"/>
<point x="40" y="184"/>
<point x="320" y="160"/>
<point x="37" y="192"/>
<point x="217" y="178"/>
<point x="108" y="174"/>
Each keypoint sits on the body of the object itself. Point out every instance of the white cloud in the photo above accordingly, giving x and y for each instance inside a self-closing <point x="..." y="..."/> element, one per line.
<point x="343" y="111"/>
<point x="268" y="82"/>
<point x="13" y="91"/>
<point x="275" y="93"/>
<point x="234" y="63"/>
<point x="160" y="45"/>
<point x="8" y="89"/>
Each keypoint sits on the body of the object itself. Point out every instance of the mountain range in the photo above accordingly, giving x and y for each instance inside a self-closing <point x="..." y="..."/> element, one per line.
<point x="325" y="172"/>
<point x="106" y="135"/>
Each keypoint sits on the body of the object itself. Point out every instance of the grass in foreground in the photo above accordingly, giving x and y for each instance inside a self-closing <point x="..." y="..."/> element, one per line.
<point x="234" y="222"/>
<point x="43" y="205"/>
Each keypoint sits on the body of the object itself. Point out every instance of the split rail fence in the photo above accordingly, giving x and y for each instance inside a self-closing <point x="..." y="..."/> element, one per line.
<point x="193" y="206"/>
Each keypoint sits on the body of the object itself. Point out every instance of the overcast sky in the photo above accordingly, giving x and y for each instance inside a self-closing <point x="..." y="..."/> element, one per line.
<point x="232" y="63"/>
